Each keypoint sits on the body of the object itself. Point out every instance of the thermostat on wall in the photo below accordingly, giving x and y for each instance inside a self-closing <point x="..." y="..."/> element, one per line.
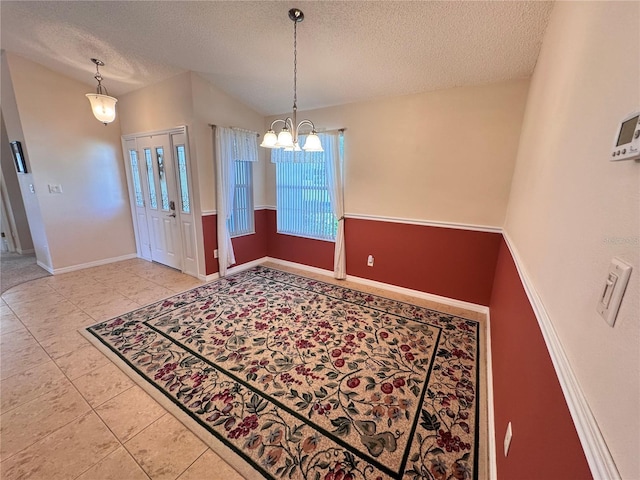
<point x="626" y="145"/>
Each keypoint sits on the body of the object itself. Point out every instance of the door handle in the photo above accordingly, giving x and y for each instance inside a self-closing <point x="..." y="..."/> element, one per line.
<point x="172" y="215"/>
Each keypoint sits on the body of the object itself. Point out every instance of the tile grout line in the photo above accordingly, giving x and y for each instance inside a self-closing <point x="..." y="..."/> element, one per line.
<point x="91" y="408"/>
<point x="192" y="463"/>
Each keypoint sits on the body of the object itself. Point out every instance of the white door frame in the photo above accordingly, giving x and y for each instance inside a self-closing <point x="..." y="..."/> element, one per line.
<point x="190" y="263"/>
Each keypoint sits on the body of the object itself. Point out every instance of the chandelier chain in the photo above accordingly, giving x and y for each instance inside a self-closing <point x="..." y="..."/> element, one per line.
<point x="288" y="136"/>
<point x="295" y="65"/>
<point x="100" y="88"/>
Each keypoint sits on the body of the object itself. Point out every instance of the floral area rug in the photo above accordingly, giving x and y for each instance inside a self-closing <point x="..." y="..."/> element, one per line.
<point x="307" y="380"/>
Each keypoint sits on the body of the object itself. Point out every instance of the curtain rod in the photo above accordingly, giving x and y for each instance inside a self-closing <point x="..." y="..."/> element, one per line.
<point x="341" y="130"/>
<point x="213" y="125"/>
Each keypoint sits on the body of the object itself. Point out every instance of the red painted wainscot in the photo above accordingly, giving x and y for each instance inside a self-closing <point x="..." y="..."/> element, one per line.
<point x="449" y="262"/>
<point x="246" y="248"/>
<point x="306" y="251"/>
<point x="526" y="390"/>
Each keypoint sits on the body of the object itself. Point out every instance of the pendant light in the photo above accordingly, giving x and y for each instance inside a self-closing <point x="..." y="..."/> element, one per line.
<point x="103" y="106"/>
<point x="287" y="138"/>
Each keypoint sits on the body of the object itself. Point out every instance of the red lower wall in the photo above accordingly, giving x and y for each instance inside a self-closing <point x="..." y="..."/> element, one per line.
<point x="306" y="251"/>
<point x="472" y="266"/>
<point x="449" y="262"/>
<point x="246" y="248"/>
<point x="526" y="390"/>
<point x="210" y="234"/>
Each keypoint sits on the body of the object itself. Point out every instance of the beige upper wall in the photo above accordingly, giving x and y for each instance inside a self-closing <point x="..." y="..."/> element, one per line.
<point x="212" y="106"/>
<point x="438" y="156"/>
<point x="572" y="210"/>
<point x="188" y="99"/>
<point x="91" y="220"/>
<point x="160" y="106"/>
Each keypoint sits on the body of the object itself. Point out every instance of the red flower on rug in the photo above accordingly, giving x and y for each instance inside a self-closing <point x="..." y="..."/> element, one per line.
<point x="310" y="380"/>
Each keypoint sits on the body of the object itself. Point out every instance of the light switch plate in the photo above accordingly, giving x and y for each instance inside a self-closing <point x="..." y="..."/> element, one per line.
<point x="613" y="290"/>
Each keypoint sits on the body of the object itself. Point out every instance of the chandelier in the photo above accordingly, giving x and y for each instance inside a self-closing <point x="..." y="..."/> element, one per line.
<point x="287" y="138"/>
<point x="103" y="106"/>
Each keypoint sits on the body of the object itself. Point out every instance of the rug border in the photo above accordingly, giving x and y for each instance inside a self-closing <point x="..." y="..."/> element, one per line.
<point x="239" y="464"/>
<point x="243" y="466"/>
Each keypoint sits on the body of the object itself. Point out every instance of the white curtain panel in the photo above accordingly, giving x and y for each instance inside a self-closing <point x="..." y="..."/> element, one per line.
<point x="245" y="145"/>
<point x="333" y="158"/>
<point x="225" y="188"/>
<point x="231" y="144"/>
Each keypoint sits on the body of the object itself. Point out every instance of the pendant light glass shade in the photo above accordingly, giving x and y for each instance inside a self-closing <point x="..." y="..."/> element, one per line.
<point x="312" y="144"/>
<point x="103" y="106"/>
<point x="285" y="140"/>
<point x="294" y="148"/>
<point x="270" y="140"/>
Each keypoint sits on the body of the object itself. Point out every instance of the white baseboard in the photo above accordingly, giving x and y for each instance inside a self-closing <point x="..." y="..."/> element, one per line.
<point x="45" y="266"/>
<point x="493" y="462"/>
<point x="300" y="266"/>
<point x="97" y="263"/>
<point x="452" y="302"/>
<point x="595" y="448"/>
<point x="26" y="251"/>
<point x="236" y="269"/>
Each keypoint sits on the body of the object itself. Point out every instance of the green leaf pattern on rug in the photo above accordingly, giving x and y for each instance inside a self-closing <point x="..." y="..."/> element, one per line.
<point x="312" y="380"/>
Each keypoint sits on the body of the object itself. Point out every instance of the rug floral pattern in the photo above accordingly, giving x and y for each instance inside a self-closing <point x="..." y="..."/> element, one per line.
<point x="309" y="380"/>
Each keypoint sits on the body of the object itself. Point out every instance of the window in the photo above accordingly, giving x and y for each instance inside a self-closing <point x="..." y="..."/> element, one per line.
<point x="135" y="172"/>
<point x="164" y="193"/>
<point x="303" y="203"/>
<point x="153" y="201"/>
<point x="185" y="204"/>
<point x="241" y="220"/>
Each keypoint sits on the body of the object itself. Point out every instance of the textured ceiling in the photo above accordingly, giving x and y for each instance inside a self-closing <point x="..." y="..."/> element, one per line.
<point x="347" y="50"/>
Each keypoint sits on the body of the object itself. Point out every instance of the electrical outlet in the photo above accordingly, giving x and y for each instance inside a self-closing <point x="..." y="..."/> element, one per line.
<point x="215" y="253"/>
<point x="370" y="261"/>
<point x="507" y="439"/>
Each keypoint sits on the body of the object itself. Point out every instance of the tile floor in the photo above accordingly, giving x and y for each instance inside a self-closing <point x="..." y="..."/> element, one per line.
<point x="66" y="412"/>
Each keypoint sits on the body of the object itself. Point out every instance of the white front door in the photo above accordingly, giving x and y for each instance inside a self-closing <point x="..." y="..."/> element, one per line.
<point x="162" y="194"/>
<point x="159" y="179"/>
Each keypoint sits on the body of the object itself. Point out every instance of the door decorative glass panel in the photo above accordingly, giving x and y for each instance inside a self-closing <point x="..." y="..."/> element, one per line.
<point x="135" y="172"/>
<point x="163" y="178"/>
<point x="153" y="201"/>
<point x="184" y="184"/>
